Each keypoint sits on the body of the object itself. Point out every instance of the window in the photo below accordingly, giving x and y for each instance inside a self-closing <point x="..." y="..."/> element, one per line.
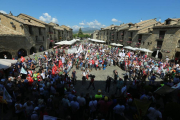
<point x="36" y="38"/>
<point x="43" y="38"/>
<point x="168" y="22"/>
<point x="161" y="34"/>
<point x="40" y="31"/>
<point x="30" y="30"/>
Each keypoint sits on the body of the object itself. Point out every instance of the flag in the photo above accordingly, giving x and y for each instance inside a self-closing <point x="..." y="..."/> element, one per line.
<point x="6" y="95"/>
<point x="23" y="71"/>
<point x="22" y="58"/>
<point x="30" y="80"/>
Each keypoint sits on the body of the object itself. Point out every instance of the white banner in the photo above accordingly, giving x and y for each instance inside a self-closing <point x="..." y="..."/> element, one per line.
<point x="6" y="95"/>
<point x="23" y="71"/>
<point x="72" y="50"/>
<point x="47" y="117"/>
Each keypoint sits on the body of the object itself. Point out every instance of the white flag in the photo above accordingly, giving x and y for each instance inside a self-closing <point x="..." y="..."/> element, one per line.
<point x="6" y="96"/>
<point x="23" y="71"/>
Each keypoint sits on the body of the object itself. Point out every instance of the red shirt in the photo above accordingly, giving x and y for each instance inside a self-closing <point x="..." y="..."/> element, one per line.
<point x="93" y="62"/>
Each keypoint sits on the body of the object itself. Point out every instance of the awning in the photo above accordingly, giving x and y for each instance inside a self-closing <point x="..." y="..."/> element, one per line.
<point x="66" y="42"/>
<point x="6" y="63"/>
<point x="95" y="40"/>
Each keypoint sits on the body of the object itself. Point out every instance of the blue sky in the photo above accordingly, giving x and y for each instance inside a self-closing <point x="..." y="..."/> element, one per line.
<point x="93" y="13"/>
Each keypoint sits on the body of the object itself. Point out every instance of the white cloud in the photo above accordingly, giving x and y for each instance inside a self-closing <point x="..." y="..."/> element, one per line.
<point x="47" y="18"/>
<point x="76" y="27"/>
<point x="82" y="23"/>
<point x="115" y="20"/>
<point x="2" y="11"/>
<point x="94" y="24"/>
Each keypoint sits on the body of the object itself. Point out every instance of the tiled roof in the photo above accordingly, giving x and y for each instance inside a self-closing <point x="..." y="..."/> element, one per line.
<point x="23" y="21"/>
<point x="174" y="19"/>
<point x="58" y="28"/>
<point x="124" y="26"/>
<point x="66" y="27"/>
<point x="109" y="27"/>
<point x="143" y="25"/>
<point x="42" y="22"/>
<point x="5" y="31"/>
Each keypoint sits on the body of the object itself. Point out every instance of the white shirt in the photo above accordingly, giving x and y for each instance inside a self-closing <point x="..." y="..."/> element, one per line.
<point x="63" y="59"/>
<point x="154" y="114"/>
<point x="84" y="73"/>
<point x="43" y="75"/>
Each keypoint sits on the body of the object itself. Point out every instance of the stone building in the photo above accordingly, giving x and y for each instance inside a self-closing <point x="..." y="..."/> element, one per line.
<point x="136" y="32"/>
<point x="165" y="39"/>
<point x="109" y="34"/>
<point x="22" y="35"/>
<point x="47" y="33"/>
<point x="122" y="32"/>
<point x="67" y="33"/>
<point x="95" y="34"/>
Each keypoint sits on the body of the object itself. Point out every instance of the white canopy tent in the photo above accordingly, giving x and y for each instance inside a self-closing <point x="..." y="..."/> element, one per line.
<point x="6" y="63"/>
<point x="94" y="40"/>
<point x="113" y="44"/>
<point x="119" y="45"/>
<point x="66" y="42"/>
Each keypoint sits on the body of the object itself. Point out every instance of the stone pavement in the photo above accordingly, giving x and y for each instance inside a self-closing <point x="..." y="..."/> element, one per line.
<point x="99" y="83"/>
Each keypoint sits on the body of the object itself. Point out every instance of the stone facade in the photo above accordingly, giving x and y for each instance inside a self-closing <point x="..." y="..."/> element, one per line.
<point x="95" y="34"/>
<point x="27" y="34"/>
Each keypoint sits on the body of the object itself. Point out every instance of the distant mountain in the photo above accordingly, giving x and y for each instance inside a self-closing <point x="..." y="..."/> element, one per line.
<point x="86" y="30"/>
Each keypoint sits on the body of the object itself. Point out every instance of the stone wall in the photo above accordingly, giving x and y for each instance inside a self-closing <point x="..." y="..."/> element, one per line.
<point x="13" y="44"/>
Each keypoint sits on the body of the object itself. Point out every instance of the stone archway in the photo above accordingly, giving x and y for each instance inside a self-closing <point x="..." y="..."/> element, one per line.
<point x="32" y="50"/>
<point x="22" y="52"/>
<point x="50" y="45"/>
<point x="41" y="48"/>
<point x="8" y="54"/>
<point x="159" y="54"/>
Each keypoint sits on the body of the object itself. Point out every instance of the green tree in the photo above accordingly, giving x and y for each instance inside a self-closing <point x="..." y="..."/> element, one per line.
<point x="80" y="32"/>
<point x="75" y="35"/>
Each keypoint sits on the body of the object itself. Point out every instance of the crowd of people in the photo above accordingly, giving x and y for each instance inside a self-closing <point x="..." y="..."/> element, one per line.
<point x="48" y="87"/>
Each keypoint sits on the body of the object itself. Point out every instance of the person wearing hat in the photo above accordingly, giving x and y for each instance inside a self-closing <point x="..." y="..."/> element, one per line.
<point x="98" y="95"/>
